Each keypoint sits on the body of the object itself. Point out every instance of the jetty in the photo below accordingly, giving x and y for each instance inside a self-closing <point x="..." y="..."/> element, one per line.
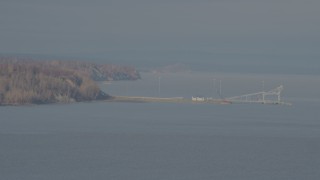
<point x="266" y="97"/>
<point x="139" y="99"/>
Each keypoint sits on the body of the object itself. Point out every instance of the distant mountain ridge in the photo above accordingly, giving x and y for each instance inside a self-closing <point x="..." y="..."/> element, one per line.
<point x="105" y="72"/>
<point x="174" y="68"/>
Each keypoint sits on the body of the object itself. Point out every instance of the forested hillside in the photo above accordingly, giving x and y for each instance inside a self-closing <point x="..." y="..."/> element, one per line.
<point x="38" y="82"/>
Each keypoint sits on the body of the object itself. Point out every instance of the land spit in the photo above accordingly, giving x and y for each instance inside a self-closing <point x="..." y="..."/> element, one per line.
<point x="139" y="99"/>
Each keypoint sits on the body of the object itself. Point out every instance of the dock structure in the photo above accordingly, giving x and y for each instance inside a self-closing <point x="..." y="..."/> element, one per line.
<point x="265" y="97"/>
<point x="268" y="97"/>
<point x="165" y="100"/>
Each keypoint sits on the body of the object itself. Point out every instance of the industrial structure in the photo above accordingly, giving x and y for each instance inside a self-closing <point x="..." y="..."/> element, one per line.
<point x="265" y="97"/>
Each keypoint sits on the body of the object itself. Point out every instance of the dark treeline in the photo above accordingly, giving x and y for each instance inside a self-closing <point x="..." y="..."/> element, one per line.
<point x="25" y="81"/>
<point x="106" y="72"/>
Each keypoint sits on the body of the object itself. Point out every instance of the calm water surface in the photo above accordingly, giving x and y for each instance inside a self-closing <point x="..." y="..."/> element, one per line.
<point x="138" y="141"/>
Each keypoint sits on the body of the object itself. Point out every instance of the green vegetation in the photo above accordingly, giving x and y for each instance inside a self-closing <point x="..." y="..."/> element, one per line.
<point x="39" y="82"/>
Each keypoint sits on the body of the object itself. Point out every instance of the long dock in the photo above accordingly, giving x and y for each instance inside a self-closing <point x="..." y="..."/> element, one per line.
<point x="270" y="97"/>
<point x="139" y="99"/>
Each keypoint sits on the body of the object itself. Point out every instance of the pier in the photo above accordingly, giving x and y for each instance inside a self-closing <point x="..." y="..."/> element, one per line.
<point x="268" y="97"/>
<point x="139" y="99"/>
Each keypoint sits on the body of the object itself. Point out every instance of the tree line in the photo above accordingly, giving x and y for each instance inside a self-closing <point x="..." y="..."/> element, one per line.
<point x="24" y="81"/>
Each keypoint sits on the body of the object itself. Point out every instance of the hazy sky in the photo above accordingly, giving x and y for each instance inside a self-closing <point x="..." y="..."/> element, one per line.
<point x="277" y="31"/>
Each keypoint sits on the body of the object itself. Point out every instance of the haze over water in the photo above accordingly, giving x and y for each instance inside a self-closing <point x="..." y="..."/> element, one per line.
<point x="275" y="36"/>
<point x="249" y="45"/>
<point x="100" y="140"/>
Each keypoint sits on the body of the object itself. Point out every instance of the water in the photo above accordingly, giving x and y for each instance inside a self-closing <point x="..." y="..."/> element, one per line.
<point x="100" y="140"/>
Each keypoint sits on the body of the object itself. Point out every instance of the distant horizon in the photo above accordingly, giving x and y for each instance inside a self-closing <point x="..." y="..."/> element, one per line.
<point x="224" y="66"/>
<point x="209" y="35"/>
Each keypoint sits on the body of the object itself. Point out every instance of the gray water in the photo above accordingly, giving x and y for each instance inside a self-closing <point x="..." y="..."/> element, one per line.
<point x="138" y="141"/>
